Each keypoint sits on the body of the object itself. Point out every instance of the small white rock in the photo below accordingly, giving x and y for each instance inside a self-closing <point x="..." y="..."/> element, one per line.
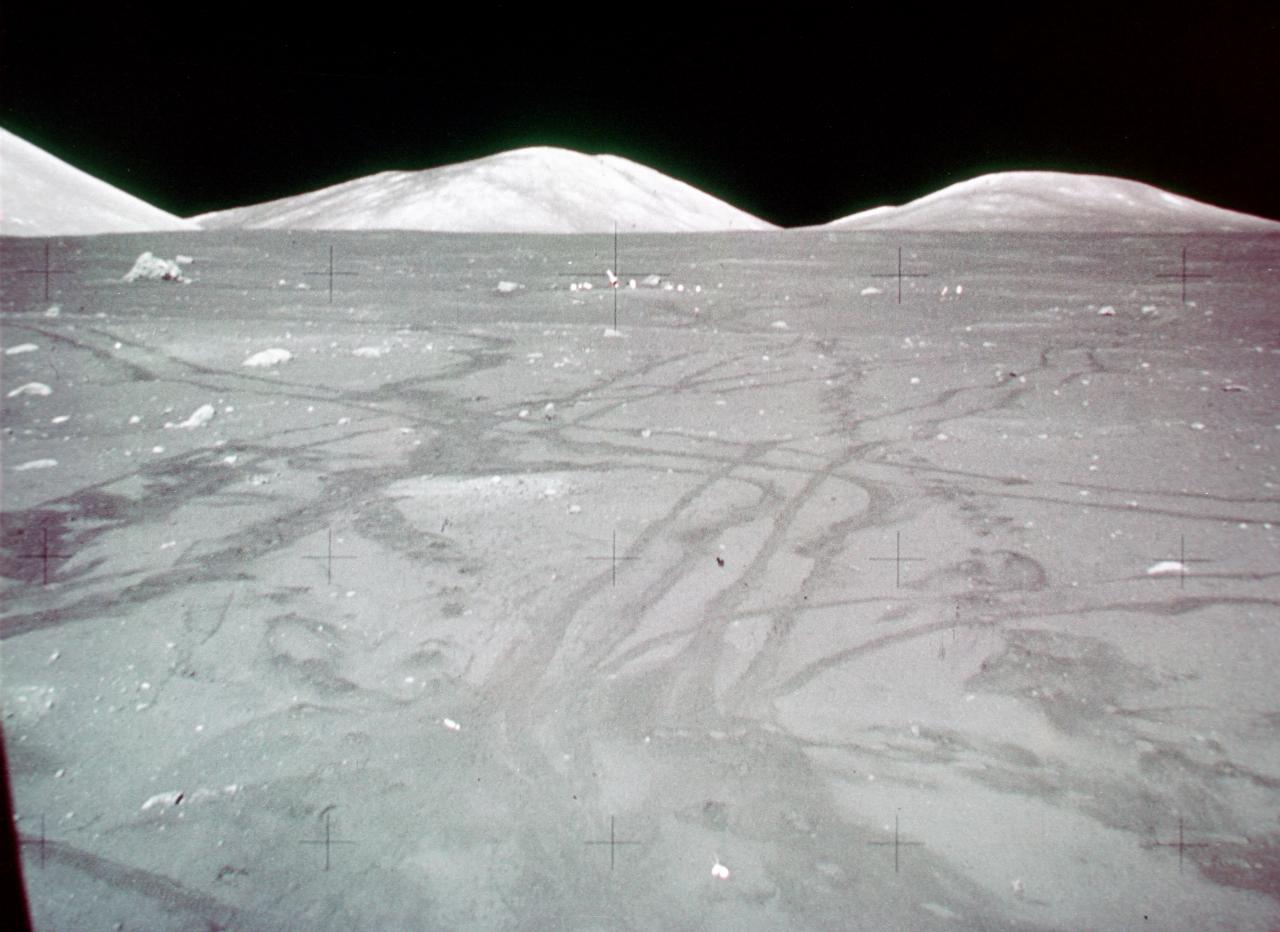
<point x="163" y="799"/>
<point x="268" y="357"/>
<point x="31" y="388"/>
<point x="199" y="417"/>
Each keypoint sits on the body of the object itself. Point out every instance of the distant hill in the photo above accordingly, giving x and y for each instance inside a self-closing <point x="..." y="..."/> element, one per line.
<point x="1054" y="202"/>
<point x="534" y="190"/>
<point x="41" y="195"/>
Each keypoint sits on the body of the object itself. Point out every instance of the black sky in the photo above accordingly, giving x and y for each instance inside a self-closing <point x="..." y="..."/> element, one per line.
<point x="794" y="114"/>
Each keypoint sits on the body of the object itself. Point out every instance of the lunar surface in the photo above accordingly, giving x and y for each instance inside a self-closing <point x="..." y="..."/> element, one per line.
<point x="846" y="580"/>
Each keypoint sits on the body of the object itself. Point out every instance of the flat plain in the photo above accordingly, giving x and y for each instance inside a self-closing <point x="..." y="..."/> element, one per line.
<point x="953" y="611"/>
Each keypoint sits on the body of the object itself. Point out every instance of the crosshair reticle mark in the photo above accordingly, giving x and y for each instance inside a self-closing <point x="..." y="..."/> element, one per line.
<point x="897" y="560"/>
<point x="47" y="271"/>
<point x="45" y="555"/>
<point x="1181" y="844"/>
<point x="330" y="273"/>
<point x="942" y="638"/>
<point x="41" y="842"/>
<point x="897" y="843"/>
<point x="618" y="275"/>
<point x="328" y="841"/>
<point x="613" y="559"/>
<point x="900" y="275"/>
<point x="1184" y="275"/>
<point x="1182" y="561"/>
<point x="613" y="842"/>
<point x="328" y="557"/>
